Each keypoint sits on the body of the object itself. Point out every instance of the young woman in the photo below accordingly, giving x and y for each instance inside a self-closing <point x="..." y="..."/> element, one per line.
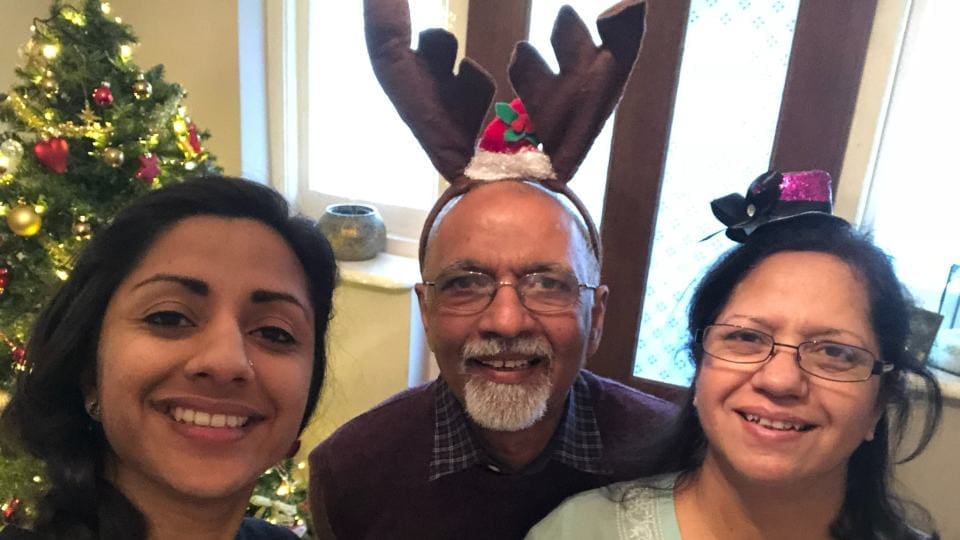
<point x="800" y="391"/>
<point x="180" y="360"/>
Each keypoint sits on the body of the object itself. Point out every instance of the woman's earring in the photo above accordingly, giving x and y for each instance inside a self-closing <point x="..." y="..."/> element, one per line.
<point x="92" y="405"/>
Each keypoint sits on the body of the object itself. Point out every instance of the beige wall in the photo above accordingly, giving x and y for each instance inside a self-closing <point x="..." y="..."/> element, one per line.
<point x="934" y="478"/>
<point x="196" y="41"/>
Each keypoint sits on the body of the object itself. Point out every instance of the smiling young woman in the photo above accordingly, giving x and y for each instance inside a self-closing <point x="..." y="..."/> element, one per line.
<point x="180" y="360"/>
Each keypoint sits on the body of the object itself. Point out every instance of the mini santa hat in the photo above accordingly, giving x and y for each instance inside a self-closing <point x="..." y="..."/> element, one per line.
<point x="445" y="109"/>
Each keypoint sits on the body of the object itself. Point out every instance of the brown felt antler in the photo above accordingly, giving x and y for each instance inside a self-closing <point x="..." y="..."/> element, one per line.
<point x="570" y="108"/>
<point x="444" y="110"/>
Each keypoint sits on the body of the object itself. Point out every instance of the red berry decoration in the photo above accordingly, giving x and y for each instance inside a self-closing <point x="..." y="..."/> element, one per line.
<point x="53" y="154"/>
<point x="10" y="509"/>
<point x="19" y="357"/>
<point x="4" y="279"/>
<point x="102" y="95"/>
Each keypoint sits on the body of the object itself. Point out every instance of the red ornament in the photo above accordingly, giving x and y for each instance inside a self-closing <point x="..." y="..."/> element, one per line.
<point x="11" y="508"/>
<point x="19" y="357"/>
<point x="149" y="170"/>
<point x="4" y="278"/>
<point x="102" y="95"/>
<point x="53" y="154"/>
<point x="194" y="138"/>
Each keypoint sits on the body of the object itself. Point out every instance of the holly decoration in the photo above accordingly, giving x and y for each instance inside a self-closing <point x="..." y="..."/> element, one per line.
<point x="4" y="279"/>
<point x="102" y="95"/>
<point x="53" y="154"/>
<point x="148" y="170"/>
<point x="512" y="131"/>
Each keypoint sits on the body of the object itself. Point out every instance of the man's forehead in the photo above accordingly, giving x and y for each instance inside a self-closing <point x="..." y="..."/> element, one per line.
<point x="465" y="229"/>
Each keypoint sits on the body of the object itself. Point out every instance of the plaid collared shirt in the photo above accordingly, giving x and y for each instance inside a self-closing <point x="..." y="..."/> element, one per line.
<point x="576" y="442"/>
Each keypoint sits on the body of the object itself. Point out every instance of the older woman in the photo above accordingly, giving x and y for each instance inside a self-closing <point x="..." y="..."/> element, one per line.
<point x="180" y="360"/>
<point x="800" y="391"/>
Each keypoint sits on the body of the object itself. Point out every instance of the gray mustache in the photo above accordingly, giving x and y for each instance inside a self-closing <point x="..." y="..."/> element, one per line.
<point x="527" y="346"/>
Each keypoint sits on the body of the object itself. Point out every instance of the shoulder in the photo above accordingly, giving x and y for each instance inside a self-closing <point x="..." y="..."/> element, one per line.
<point x="611" y="392"/>
<point x="605" y="512"/>
<point x="614" y="400"/>
<point x="387" y="422"/>
<point x="258" y="529"/>
<point x="591" y="514"/>
<point x="391" y="439"/>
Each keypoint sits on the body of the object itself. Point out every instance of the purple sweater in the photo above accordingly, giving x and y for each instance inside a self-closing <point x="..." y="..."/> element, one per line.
<point x="370" y="478"/>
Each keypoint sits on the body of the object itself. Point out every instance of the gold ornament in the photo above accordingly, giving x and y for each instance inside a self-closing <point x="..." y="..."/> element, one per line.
<point x="49" y="85"/>
<point x="23" y="220"/>
<point x="82" y="229"/>
<point x="113" y="157"/>
<point x="142" y="89"/>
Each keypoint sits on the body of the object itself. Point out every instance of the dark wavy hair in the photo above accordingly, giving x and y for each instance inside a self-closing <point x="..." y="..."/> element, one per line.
<point x="870" y="508"/>
<point x="46" y="412"/>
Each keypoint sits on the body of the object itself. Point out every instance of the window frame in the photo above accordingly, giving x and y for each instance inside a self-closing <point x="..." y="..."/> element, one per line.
<point x="288" y="101"/>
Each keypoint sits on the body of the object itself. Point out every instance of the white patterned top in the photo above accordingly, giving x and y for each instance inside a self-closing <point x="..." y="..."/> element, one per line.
<point x="636" y="510"/>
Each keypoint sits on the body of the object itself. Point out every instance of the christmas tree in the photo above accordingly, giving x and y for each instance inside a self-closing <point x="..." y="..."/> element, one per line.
<point x="82" y="133"/>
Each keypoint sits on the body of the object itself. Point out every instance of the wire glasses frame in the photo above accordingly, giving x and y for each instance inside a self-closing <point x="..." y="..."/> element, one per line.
<point x="470" y="292"/>
<point x="823" y="359"/>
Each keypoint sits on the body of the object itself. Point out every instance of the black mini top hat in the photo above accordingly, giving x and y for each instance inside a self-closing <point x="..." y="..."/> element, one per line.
<point x="775" y="197"/>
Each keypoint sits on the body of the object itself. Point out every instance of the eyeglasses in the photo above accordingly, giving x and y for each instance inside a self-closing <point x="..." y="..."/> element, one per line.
<point x="468" y="293"/>
<point x="824" y="359"/>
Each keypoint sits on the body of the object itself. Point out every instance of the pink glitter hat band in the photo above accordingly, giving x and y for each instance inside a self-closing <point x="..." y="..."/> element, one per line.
<point x="774" y="197"/>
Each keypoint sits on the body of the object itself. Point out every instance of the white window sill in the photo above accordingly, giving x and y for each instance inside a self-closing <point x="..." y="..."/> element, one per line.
<point x="385" y="271"/>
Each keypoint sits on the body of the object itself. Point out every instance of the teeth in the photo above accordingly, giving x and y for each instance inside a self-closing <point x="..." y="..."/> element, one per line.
<point x="508" y="364"/>
<point x="205" y="419"/>
<point x="774" y="424"/>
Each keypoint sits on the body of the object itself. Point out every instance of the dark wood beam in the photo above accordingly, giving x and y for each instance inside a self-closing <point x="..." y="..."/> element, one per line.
<point x="823" y="82"/>
<point x="493" y="29"/>
<point x="637" y="161"/>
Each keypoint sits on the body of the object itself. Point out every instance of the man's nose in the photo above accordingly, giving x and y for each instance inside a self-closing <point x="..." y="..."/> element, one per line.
<point x="506" y="315"/>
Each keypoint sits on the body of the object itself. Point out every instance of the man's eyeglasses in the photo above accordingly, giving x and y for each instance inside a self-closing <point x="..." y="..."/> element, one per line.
<point x="468" y="293"/>
<point x="824" y="359"/>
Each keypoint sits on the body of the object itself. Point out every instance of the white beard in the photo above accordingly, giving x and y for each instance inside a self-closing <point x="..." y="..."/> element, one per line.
<point x="507" y="407"/>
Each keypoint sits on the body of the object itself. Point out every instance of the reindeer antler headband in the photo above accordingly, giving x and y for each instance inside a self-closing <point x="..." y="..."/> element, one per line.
<point x="445" y="110"/>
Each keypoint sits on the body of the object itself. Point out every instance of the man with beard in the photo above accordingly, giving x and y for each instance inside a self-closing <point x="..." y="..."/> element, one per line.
<point x="512" y="309"/>
<point x="511" y="302"/>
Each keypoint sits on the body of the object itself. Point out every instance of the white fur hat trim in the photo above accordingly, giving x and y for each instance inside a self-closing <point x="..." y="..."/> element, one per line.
<point x="489" y="166"/>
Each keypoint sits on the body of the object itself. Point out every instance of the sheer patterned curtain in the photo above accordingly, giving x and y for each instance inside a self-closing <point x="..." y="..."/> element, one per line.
<point x="728" y="101"/>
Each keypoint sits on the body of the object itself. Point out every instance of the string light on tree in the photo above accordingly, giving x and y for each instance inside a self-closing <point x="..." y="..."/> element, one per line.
<point x="49" y="85"/>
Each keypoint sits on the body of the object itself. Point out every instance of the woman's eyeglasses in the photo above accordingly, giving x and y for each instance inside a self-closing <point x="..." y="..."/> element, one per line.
<point x="824" y="359"/>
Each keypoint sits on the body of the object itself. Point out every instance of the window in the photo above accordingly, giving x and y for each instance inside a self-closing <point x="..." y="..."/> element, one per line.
<point x="344" y="139"/>
<point x="913" y="200"/>
<point x="727" y="104"/>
